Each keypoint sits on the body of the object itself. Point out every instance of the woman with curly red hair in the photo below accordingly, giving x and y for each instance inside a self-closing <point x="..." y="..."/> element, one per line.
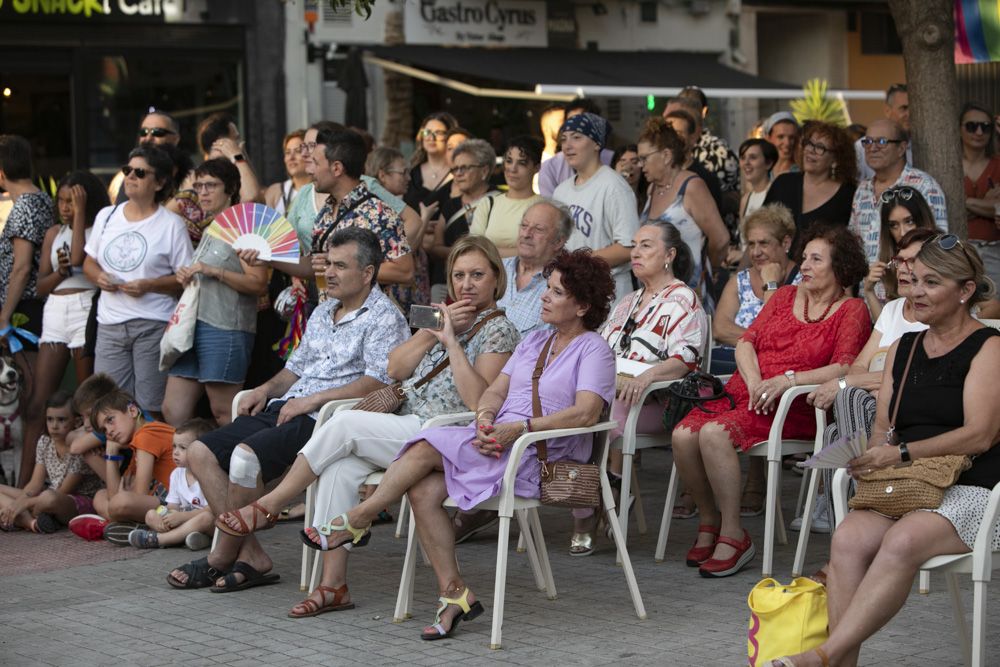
<point x="824" y="190"/>
<point x="467" y="463"/>
<point x="805" y="334"/>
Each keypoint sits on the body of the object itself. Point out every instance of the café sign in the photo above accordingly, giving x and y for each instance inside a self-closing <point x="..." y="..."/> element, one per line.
<point x="475" y="22"/>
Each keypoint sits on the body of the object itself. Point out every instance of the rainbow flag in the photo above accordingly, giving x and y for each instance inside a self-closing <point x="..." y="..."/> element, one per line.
<point x="977" y="31"/>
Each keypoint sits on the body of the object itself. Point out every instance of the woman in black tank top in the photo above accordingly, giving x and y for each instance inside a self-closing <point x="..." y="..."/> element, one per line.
<point x="948" y="403"/>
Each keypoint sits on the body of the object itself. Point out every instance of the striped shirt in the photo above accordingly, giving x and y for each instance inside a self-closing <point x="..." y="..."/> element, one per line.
<point x="523" y="307"/>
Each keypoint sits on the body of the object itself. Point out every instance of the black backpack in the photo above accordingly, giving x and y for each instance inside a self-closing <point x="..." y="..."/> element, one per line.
<point x="696" y="388"/>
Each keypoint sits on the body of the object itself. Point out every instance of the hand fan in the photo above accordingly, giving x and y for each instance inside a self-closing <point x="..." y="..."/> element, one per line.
<point x="252" y="226"/>
<point x="839" y="452"/>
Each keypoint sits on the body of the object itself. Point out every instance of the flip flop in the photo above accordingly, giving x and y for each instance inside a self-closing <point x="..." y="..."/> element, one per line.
<point x="199" y="575"/>
<point x="315" y="609"/>
<point x="252" y="578"/>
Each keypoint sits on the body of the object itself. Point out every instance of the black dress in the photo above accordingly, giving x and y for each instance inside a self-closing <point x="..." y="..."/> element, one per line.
<point x="787" y="189"/>
<point x="417" y="193"/>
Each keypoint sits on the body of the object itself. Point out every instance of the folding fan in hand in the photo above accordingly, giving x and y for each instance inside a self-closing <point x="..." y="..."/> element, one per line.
<point x="839" y="452"/>
<point x="257" y="227"/>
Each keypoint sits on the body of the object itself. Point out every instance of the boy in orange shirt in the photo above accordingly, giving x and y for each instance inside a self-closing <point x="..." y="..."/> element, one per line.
<point x="144" y="484"/>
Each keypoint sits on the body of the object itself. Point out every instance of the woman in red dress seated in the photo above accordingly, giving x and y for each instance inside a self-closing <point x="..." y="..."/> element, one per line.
<point x="805" y="334"/>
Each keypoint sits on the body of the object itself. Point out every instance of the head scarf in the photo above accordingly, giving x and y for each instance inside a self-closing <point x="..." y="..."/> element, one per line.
<point x="590" y="125"/>
<point x="779" y="117"/>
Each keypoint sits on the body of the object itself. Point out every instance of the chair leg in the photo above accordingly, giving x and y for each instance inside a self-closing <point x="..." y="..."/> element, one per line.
<point x="802" y="496"/>
<point x="310" y="502"/>
<point x="628" y="471"/>
<point x="215" y="540"/>
<point x="771" y="518"/>
<point x="810" y="499"/>
<point x="925" y="582"/>
<point x="500" y="583"/>
<point x="668" y="512"/>
<point x="317" y="568"/>
<point x="404" y="597"/>
<point x="404" y="512"/>
<point x="633" y="586"/>
<point x="979" y="624"/>
<point x="959" y="613"/>
<point x="640" y="514"/>
<point x="521" y="547"/>
<point x="543" y="552"/>
<point x="522" y="522"/>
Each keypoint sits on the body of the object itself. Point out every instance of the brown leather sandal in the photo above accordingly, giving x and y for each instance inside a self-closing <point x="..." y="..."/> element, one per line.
<point x="270" y="518"/>
<point x="314" y="608"/>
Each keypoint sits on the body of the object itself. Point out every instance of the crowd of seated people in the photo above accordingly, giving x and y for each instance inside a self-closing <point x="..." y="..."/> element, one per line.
<point x="598" y="278"/>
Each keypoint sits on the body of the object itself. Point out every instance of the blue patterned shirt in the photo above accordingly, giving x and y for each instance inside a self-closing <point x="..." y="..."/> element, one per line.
<point x="333" y="354"/>
<point x="523" y="307"/>
<point x="866" y="218"/>
<point x="362" y="208"/>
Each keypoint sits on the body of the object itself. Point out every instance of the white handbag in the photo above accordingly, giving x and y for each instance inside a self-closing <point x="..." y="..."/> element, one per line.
<point x="178" y="337"/>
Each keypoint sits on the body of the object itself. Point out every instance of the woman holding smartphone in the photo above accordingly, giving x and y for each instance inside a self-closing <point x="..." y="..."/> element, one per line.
<point x="475" y="338"/>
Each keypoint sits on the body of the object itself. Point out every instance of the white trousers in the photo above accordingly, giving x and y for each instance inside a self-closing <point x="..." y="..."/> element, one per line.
<point x="349" y="447"/>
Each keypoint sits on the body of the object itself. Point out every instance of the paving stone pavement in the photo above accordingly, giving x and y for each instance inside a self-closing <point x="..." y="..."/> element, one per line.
<point x="124" y="613"/>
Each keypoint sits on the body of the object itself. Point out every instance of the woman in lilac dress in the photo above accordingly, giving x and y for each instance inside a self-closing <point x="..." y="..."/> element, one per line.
<point x="467" y="463"/>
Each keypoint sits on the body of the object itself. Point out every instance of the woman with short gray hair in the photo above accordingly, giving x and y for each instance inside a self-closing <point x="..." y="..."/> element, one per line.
<point x="472" y="163"/>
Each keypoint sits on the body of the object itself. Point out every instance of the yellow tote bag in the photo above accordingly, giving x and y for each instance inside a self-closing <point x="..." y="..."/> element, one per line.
<point x="785" y="620"/>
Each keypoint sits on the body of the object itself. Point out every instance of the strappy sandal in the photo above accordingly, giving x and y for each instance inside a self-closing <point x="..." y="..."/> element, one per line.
<point x="270" y="518"/>
<point x="360" y="536"/>
<point x="314" y="608"/>
<point x="752" y="503"/>
<point x="785" y="661"/>
<point x="684" y="511"/>
<point x="469" y="612"/>
<point x="199" y="575"/>
<point x="252" y="577"/>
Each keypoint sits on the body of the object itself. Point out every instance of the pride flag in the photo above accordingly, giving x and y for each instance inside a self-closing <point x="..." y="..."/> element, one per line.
<point x="977" y="31"/>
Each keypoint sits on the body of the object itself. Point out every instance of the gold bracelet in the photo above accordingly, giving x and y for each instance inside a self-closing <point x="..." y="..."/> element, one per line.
<point x="479" y="413"/>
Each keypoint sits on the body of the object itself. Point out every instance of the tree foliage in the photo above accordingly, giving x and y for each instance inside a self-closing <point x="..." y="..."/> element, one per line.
<point x="815" y="105"/>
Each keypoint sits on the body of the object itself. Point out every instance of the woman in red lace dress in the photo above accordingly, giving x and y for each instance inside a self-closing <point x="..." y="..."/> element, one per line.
<point x="805" y="334"/>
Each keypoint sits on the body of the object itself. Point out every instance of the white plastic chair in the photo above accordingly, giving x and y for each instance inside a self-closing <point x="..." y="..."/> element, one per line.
<point x="773" y="448"/>
<point x="526" y="509"/>
<point x="980" y="564"/>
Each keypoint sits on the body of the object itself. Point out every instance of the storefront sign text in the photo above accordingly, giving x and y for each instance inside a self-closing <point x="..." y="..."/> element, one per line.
<point x="476" y="22"/>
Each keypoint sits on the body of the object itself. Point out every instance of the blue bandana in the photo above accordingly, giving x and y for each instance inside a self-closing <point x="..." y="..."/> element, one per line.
<point x="590" y="125"/>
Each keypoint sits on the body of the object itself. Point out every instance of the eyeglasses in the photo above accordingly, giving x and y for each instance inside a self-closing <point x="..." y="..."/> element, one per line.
<point x="207" y="186"/>
<point x="307" y="146"/>
<point x="904" y="193"/>
<point x="139" y="172"/>
<point x="434" y="134"/>
<point x="899" y="262"/>
<point x="971" y="126"/>
<point x="461" y="169"/>
<point x="155" y="132"/>
<point x="398" y="172"/>
<point x="881" y="142"/>
<point x="625" y="340"/>
<point x="818" y="149"/>
<point x="641" y="159"/>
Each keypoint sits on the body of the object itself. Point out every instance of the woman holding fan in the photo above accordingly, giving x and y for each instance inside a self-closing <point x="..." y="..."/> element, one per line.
<point x="227" y="309"/>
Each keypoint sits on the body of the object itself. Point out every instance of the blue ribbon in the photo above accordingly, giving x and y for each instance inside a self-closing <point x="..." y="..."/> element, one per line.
<point x="14" y="334"/>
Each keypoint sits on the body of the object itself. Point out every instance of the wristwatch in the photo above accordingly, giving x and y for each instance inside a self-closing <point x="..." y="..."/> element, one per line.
<point x="842" y="382"/>
<point x="791" y="376"/>
<point x="904" y="452"/>
<point x="239" y="158"/>
<point x="770" y="286"/>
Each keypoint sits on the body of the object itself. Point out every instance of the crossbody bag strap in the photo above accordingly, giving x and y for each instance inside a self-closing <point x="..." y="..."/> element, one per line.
<point x="898" y="397"/>
<point x="441" y="365"/>
<point x="536" y="403"/>
<point x="341" y="214"/>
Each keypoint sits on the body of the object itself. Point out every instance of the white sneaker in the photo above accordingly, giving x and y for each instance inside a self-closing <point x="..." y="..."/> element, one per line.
<point x="197" y="541"/>
<point x="820" y="517"/>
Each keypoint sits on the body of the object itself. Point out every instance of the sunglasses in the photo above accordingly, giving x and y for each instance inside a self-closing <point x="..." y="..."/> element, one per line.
<point x="971" y="126"/>
<point x="156" y="132"/>
<point x="948" y="242"/>
<point x="903" y="193"/>
<point x="625" y="340"/>
<point x="436" y="134"/>
<point x="139" y="172"/>
<point x="881" y="142"/>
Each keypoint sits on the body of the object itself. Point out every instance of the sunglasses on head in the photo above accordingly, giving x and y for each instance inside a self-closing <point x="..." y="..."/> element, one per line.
<point x="948" y="241"/>
<point x="972" y="125"/>
<point x="903" y="193"/>
<point x="139" y="172"/>
<point x="156" y="132"/>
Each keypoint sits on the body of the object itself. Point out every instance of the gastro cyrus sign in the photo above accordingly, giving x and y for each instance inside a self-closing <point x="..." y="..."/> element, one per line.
<point x="476" y="22"/>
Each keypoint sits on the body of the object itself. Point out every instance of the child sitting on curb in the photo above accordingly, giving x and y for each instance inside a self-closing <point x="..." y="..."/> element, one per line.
<point x="71" y="485"/>
<point x="144" y="485"/>
<point x="186" y="518"/>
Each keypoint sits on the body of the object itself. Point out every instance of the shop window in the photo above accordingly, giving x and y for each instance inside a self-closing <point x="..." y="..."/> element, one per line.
<point x="37" y="107"/>
<point x="878" y="35"/>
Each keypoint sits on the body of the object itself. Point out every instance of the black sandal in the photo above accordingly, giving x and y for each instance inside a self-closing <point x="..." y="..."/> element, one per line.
<point x="199" y="575"/>
<point x="252" y="577"/>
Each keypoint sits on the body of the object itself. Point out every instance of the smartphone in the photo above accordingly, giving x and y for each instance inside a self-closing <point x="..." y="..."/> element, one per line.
<point x="426" y="317"/>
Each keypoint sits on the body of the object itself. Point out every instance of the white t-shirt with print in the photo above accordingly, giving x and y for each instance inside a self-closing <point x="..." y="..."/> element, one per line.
<point x="187" y="496"/>
<point x="603" y="211"/>
<point x="151" y="248"/>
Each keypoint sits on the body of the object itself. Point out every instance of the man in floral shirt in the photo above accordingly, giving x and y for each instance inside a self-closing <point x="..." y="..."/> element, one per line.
<point x="339" y="158"/>
<point x="344" y="354"/>
<point x="711" y="151"/>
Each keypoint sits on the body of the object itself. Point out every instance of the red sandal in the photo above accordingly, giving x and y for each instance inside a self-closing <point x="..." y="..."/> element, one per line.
<point x="713" y="567"/>
<point x="697" y="555"/>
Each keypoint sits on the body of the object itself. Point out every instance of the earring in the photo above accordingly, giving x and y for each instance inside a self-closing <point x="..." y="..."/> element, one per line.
<point x="833" y="171"/>
<point x="666" y="265"/>
<point x="961" y="300"/>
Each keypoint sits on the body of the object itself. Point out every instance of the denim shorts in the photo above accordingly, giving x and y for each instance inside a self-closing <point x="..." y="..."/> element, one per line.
<point x="218" y="355"/>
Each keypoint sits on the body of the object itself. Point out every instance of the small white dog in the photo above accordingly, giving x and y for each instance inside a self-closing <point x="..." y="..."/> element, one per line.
<point x="11" y="427"/>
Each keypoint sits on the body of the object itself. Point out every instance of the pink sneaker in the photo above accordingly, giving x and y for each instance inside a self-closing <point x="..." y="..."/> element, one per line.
<point x="88" y="526"/>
